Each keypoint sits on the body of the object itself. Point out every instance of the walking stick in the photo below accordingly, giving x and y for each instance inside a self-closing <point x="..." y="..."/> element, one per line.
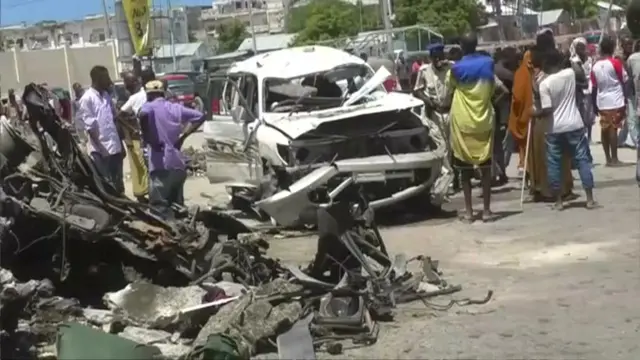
<point x="526" y="165"/>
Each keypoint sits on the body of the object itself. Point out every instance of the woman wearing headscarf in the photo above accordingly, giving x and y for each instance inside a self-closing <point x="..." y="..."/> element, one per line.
<point x="536" y="167"/>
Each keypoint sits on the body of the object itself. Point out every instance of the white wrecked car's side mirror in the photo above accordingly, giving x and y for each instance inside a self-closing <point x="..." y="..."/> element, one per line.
<point x="240" y="115"/>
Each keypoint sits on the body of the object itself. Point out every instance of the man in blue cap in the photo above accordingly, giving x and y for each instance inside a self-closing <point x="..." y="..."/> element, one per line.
<point x="430" y="88"/>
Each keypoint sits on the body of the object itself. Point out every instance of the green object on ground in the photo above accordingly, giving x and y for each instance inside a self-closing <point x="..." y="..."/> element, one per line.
<point x="217" y="347"/>
<point x="80" y="342"/>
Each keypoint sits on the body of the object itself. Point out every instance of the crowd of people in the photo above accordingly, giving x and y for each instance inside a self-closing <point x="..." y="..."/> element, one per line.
<point x="144" y="126"/>
<point x="147" y="127"/>
<point x="540" y="102"/>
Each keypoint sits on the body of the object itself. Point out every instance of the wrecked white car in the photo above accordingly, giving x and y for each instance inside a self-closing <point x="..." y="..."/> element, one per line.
<point x="307" y="123"/>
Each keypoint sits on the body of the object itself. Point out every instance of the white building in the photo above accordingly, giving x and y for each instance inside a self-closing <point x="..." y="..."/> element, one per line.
<point x="268" y="15"/>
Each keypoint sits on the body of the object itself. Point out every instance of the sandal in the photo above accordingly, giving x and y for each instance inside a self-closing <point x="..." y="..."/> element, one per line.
<point x="466" y="219"/>
<point x="488" y="217"/>
<point x="592" y="205"/>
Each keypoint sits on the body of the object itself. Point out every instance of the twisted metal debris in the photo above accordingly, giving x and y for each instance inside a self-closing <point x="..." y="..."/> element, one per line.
<point x="195" y="288"/>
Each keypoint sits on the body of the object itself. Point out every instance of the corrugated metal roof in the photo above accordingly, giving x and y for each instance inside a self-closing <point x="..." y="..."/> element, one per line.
<point x="549" y="17"/>
<point x="506" y="7"/>
<point x="230" y="55"/>
<point x="186" y="49"/>
<point x="267" y="42"/>
<point x="605" y="5"/>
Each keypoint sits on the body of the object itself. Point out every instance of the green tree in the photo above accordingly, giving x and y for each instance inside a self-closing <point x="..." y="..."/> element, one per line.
<point x="231" y="35"/>
<point x="451" y="18"/>
<point x="579" y="9"/>
<point x="330" y="19"/>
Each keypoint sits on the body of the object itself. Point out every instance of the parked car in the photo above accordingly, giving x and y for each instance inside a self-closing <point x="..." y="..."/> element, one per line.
<point x="307" y="125"/>
<point x="181" y="87"/>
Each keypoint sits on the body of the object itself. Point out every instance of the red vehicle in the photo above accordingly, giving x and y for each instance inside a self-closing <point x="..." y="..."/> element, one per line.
<point x="181" y="87"/>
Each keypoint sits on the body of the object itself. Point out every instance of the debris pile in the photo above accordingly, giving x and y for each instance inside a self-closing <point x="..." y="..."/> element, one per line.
<point x="90" y="274"/>
<point x="196" y="161"/>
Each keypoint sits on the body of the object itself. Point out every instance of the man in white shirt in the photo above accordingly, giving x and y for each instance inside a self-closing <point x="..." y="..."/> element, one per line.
<point x="566" y="128"/>
<point x="608" y="77"/>
<point x="128" y="121"/>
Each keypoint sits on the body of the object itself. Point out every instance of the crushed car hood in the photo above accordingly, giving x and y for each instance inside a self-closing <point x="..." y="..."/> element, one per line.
<point x="300" y="123"/>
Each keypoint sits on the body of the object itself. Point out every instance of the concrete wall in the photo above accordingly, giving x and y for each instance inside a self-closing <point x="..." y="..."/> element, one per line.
<point x="49" y="66"/>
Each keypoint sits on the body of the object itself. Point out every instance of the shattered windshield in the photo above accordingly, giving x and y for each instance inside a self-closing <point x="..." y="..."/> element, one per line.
<point x="315" y="91"/>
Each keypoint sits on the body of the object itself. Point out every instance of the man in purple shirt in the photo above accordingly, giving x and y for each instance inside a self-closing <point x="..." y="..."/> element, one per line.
<point x="96" y="112"/>
<point x="162" y="125"/>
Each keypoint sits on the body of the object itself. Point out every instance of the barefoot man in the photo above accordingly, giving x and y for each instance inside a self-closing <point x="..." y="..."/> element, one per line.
<point x="471" y="84"/>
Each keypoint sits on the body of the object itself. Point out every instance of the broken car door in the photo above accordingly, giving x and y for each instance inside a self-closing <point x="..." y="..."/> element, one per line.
<point x="229" y="160"/>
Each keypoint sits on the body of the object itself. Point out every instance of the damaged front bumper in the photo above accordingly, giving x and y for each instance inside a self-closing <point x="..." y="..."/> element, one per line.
<point x="286" y="206"/>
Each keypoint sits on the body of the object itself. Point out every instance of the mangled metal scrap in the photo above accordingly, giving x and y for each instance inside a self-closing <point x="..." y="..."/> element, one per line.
<point x="350" y="285"/>
<point x="30" y="315"/>
<point x="60" y="220"/>
<point x="52" y="185"/>
<point x="256" y="317"/>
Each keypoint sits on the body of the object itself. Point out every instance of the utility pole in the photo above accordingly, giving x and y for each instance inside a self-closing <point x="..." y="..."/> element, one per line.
<point x="107" y="20"/>
<point x="386" y="20"/>
<point x="605" y="26"/>
<point x="172" y="38"/>
<point x="109" y="35"/>
<point x="253" y="32"/>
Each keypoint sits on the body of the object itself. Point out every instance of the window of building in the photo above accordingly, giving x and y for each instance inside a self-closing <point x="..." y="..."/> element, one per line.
<point x="97" y="35"/>
<point x="40" y="41"/>
<point x="65" y="38"/>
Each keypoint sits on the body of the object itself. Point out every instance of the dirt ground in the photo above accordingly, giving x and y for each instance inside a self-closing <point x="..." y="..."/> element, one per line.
<point x="566" y="284"/>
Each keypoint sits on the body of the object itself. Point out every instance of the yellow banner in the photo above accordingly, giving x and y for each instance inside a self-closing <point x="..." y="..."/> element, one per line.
<point x="138" y="17"/>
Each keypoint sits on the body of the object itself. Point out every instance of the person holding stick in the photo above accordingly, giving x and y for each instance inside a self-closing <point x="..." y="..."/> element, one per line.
<point x="536" y="149"/>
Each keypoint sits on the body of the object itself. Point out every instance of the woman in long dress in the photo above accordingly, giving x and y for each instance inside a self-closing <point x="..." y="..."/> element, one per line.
<point x="521" y="106"/>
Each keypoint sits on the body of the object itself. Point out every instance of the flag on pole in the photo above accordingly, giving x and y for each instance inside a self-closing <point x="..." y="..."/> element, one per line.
<point x="138" y="14"/>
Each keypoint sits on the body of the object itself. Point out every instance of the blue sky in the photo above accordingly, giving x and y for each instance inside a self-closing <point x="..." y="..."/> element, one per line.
<point x="32" y="11"/>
